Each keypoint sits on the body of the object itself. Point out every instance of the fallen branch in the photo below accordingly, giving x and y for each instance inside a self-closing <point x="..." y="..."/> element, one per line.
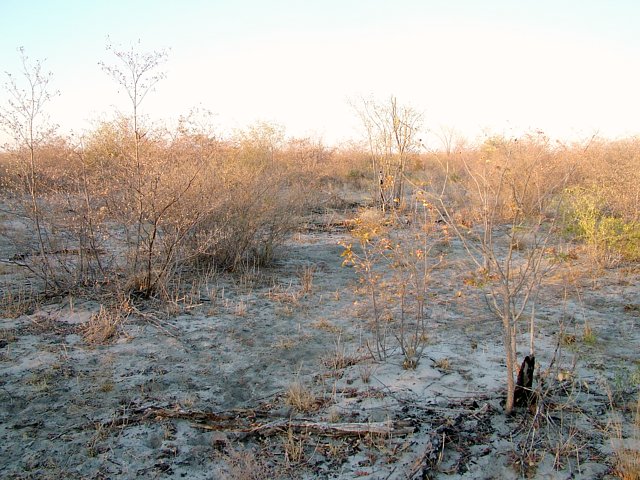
<point x="391" y="428"/>
<point x="246" y="421"/>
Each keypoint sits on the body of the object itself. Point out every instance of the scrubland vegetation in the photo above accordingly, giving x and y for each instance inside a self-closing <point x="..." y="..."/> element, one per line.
<point x="200" y="201"/>
<point x="136" y="215"/>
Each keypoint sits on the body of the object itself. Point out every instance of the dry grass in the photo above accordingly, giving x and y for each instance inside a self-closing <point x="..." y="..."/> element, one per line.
<point x="628" y="464"/>
<point x="240" y="309"/>
<point x="243" y="464"/>
<point x="15" y="303"/>
<point x="365" y="370"/>
<point x="442" y="364"/>
<point x="306" y="279"/>
<point x="285" y="343"/>
<point x="289" y="294"/>
<point x="300" y="397"/>
<point x="294" y="448"/>
<point x="326" y="325"/>
<point x="625" y="440"/>
<point x="104" y="326"/>
<point x="339" y="359"/>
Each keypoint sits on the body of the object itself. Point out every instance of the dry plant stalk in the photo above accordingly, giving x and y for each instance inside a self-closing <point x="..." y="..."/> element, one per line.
<point x="306" y="279"/>
<point x="294" y="447"/>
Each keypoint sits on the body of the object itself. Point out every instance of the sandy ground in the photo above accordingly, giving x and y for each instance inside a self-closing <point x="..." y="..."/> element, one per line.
<point x="189" y="390"/>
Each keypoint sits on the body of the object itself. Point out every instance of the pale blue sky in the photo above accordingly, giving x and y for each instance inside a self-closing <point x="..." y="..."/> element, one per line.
<point x="569" y="68"/>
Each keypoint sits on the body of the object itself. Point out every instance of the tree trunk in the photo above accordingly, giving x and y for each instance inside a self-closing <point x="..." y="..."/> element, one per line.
<point x="509" y="350"/>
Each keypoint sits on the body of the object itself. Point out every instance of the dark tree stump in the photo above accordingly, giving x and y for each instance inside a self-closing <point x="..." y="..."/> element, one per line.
<point x="524" y="394"/>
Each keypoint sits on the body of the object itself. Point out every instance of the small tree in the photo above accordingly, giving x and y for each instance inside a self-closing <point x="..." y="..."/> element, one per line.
<point x="391" y="137"/>
<point x="395" y="260"/>
<point x="24" y="118"/>
<point x="517" y="195"/>
<point x="153" y="184"/>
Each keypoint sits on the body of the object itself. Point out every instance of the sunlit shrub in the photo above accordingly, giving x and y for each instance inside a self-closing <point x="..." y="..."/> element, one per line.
<point x="589" y="218"/>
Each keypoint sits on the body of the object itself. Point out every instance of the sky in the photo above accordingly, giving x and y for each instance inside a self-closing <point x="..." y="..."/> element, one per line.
<point x="570" y="68"/>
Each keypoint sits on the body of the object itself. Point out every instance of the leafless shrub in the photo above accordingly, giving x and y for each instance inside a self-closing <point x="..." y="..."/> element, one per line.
<point x="517" y="191"/>
<point x="391" y="131"/>
<point x="256" y="198"/>
<point x="395" y="259"/>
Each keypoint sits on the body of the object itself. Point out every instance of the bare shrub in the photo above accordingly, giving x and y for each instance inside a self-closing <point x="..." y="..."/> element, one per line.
<point x="256" y="198"/>
<point x="24" y="119"/>
<point x="395" y="259"/>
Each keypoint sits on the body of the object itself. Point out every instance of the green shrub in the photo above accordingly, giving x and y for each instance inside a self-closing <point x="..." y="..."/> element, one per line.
<point x="588" y="218"/>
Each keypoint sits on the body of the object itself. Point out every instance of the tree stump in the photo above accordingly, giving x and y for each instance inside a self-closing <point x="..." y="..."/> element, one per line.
<point x="524" y="394"/>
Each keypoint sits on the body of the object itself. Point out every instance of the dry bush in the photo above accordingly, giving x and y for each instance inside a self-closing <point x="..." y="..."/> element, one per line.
<point x="187" y="198"/>
<point x="149" y="199"/>
<point x="527" y="173"/>
<point x="513" y="188"/>
<point x="131" y="204"/>
<point x="347" y="166"/>
<point x="255" y="200"/>
<point x="611" y="168"/>
<point x="62" y="246"/>
<point x="597" y="182"/>
<point x="395" y="257"/>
